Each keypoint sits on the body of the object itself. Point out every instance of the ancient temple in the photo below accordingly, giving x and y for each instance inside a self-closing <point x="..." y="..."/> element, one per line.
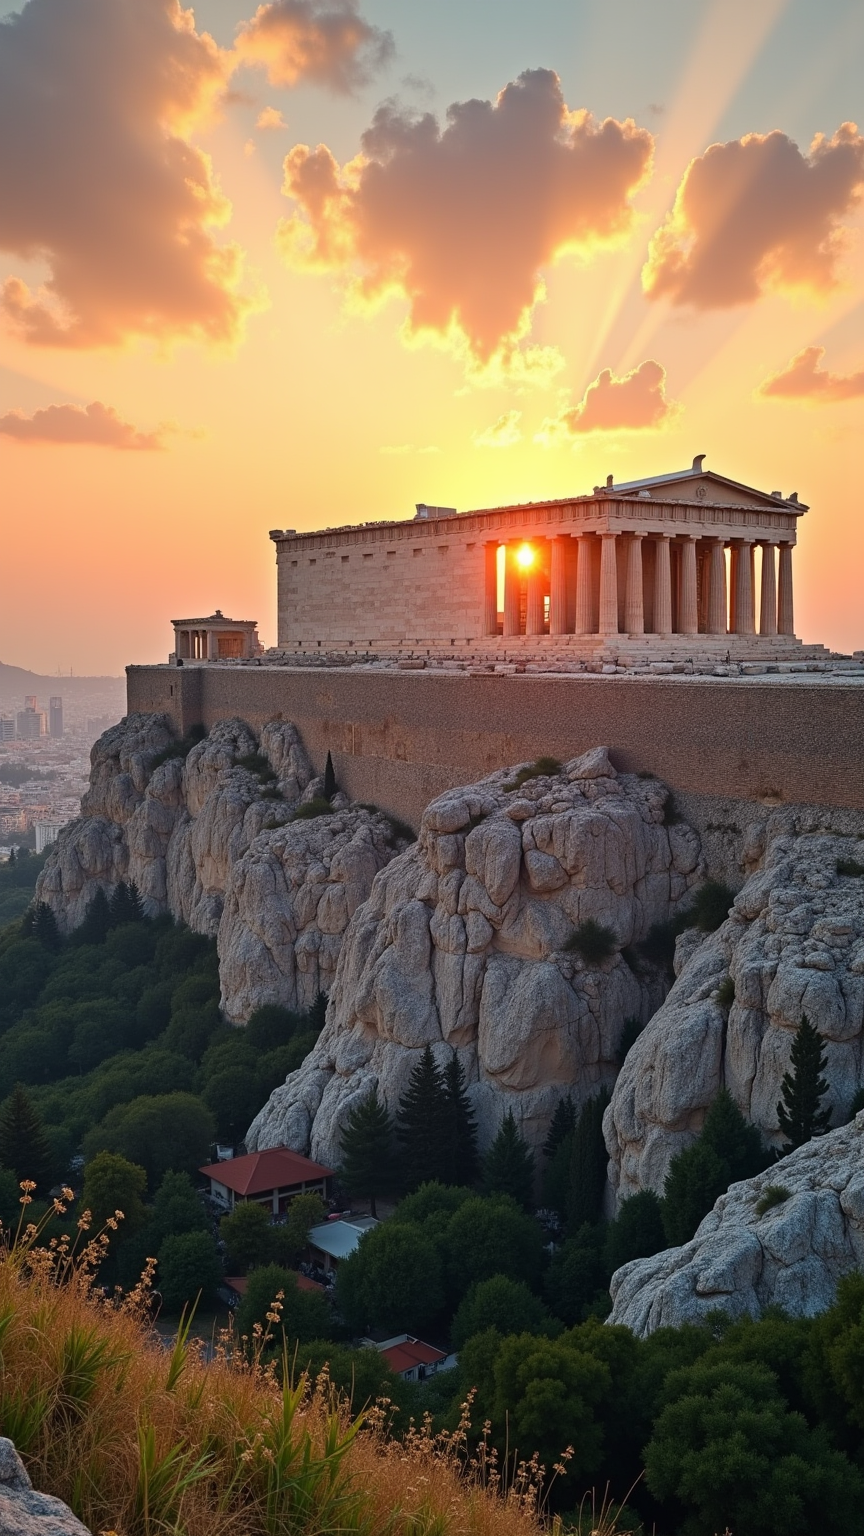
<point x="662" y="565"/>
<point x="215" y="639"/>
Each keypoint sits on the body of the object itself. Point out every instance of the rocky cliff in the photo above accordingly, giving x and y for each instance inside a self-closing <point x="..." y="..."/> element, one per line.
<point x="209" y="836"/>
<point x="792" y="945"/>
<point x="465" y="943"/>
<point x="782" y="1239"/>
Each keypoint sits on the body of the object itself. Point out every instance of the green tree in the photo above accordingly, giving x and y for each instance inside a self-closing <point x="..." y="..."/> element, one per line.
<point x="490" y="1235"/>
<point x="637" y="1231"/>
<point x="562" y="1125"/>
<point x="270" y="1027"/>
<point x="696" y="1178"/>
<point x="176" y="1209"/>
<point x="316" y="1014"/>
<point x="588" y="1159"/>
<point x="803" y="1088"/>
<point x="424" y="1126"/>
<point x="125" y="905"/>
<point x="10" y="1200"/>
<point x="501" y="1303"/>
<point x="40" y="924"/>
<point x="247" y="1235"/>
<point x="392" y="1280"/>
<point x="738" y="1143"/>
<point x="188" y="1264"/>
<point x="97" y="920"/>
<point x="171" y="1130"/>
<point x="24" y="1147"/>
<point x="466" y="1163"/>
<point x="508" y="1167"/>
<point x="112" y="1183"/>
<point x="367" y="1163"/>
<point x="578" y="1276"/>
<point x="303" y="1314"/>
<point x="234" y="1101"/>
<point x="330" y="785"/>
<point x="290" y="1239"/>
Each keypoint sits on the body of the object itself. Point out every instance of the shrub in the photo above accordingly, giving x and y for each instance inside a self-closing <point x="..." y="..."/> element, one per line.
<point x="774" y="1194"/>
<point x="188" y="1268"/>
<point x="850" y="867"/>
<point x="725" y="994"/>
<point x="710" y="907"/>
<point x="317" y="807"/>
<point x="544" y="767"/>
<point x="255" y="763"/>
<point x="637" y="1231"/>
<point x="592" y="941"/>
<point x="180" y="748"/>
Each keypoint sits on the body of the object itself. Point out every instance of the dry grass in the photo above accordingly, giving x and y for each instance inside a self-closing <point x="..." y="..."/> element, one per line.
<point x="140" y="1440"/>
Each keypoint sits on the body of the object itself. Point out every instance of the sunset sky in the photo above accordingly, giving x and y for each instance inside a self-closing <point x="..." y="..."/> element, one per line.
<point x="312" y="263"/>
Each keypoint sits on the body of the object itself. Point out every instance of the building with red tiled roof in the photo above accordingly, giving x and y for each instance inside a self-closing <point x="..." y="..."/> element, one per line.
<point x="236" y="1286"/>
<point x="410" y="1358"/>
<point x="270" y="1178"/>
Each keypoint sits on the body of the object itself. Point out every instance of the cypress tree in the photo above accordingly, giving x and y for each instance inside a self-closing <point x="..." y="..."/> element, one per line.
<point x="588" y="1159"/>
<point x="803" y="1088"/>
<point x="24" y="1147"/>
<point x="508" y="1167"/>
<point x="563" y="1124"/>
<point x="97" y="920"/>
<point x="465" y="1165"/>
<point x="424" y="1125"/>
<point x="367" y="1166"/>
<point x="330" y="785"/>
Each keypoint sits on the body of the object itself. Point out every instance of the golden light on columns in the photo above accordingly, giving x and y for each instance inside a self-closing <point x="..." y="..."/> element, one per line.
<point x="525" y="557"/>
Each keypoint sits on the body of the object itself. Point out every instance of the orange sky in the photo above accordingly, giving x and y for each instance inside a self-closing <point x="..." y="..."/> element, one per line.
<point x="500" y="305"/>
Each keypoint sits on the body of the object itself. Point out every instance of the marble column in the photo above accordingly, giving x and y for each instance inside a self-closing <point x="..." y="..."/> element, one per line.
<point x="634" y="609"/>
<point x="584" y="605"/>
<point x="558" y="588"/>
<point x="512" y="603"/>
<point x="490" y="588"/>
<point x="212" y="646"/>
<point x="745" y="621"/>
<point x="768" y="593"/>
<point x="608" y="585"/>
<point x="688" y="596"/>
<point x="716" y="588"/>
<point x="662" y="587"/>
<point x="785" y="608"/>
<point x="535" y="583"/>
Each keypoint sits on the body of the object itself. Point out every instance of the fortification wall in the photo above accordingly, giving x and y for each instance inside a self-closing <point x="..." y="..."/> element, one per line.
<point x="731" y="750"/>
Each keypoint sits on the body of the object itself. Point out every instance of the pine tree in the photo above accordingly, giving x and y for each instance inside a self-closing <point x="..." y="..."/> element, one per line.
<point x="125" y="905"/>
<point x="330" y="785"/>
<point x="588" y="1160"/>
<point x="696" y="1178"/>
<point x="24" y="1147"/>
<point x="367" y="1167"/>
<point x="45" y="926"/>
<point x="424" y="1125"/>
<point x="738" y="1143"/>
<point x="317" y="1013"/>
<point x="798" y="1113"/>
<point x="97" y="920"/>
<point x="465" y="1162"/>
<point x="563" y="1124"/>
<point x="508" y="1167"/>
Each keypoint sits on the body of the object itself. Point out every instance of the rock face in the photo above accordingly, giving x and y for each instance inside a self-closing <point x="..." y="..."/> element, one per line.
<point x="212" y="842"/>
<point x="462" y="944"/>
<point x="792" y="945"/>
<point x="23" y="1511"/>
<point x="791" y="1255"/>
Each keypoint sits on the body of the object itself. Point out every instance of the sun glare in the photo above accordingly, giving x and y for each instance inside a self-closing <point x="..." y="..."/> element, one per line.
<point x="525" y="556"/>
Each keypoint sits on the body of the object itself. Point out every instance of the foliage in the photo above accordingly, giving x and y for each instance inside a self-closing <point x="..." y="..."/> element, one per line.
<point x="562" y="1125"/>
<point x="501" y="1303"/>
<point x="465" y="1167"/>
<point x="772" y="1196"/>
<point x="544" y="767"/>
<point x="593" y="941"/>
<point x="111" y="1184"/>
<point x="588" y="1159"/>
<point x="725" y="994"/>
<point x="850" y="867"/>
<point x="633" y="1028"/>
<point x="637" y="1231"/>
<point x="423" y="1125"/>
<point x="24" y="1147"/>
<point x="294" y="1313"/>
<point x="367" y="1168"/>
<point x="578" y="1275"/>
<point x="490" y="1235"/>
<point x="799" y="1115"/>
<point x="39" y="923"/>
<point x="317" y="806"/>
<point x="125" y="905"/>
<point x="393" y="1280"/>
<point x="696" y="1178"/>
<point x="247" y="1235"/>
<point x="508" y="1167"/>
<point x="160" y="1131"/>
<point x="189" y="1268"/>
<point x="330" y="785"/>
<point x="176" y="1209"/>
<point x="97" y="920"/>
<point x="710" y="906"/>
<point x="304" y="1212"/>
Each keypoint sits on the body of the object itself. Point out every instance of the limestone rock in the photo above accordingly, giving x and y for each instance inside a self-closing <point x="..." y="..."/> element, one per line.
<point x="741" y="1261"/>
<point x="462" y="945"/>
<point x="23" y="1511"/>
<point x="792" y="945"/>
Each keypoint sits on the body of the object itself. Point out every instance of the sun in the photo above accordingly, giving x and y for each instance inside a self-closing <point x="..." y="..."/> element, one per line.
<point x="525" y="556"/>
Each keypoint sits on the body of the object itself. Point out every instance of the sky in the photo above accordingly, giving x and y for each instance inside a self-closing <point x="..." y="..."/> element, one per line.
<point x="313" y="262"/>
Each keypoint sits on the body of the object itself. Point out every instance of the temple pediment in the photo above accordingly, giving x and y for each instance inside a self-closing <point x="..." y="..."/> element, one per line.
<point x="698" y="484"/>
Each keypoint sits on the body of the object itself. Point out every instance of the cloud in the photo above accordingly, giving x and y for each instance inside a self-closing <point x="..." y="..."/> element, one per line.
<point x="635" y="403"/>
<point x="462" y="221"/>
<point x="324" y="41"/>
<point x="271" y="117"/>
<point x="503" y="433"/>
<point x="99" y="181"/>
<point x="756" y="215"/>
<point x="97" y="424"/>
<point x="803" y="379"/>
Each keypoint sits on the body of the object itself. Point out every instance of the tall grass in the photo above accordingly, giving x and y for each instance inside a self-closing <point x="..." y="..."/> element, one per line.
<point x="142" y="1440"/>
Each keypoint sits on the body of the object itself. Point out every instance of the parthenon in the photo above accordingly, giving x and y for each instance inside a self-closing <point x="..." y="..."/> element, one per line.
<point x="652" y="567"/>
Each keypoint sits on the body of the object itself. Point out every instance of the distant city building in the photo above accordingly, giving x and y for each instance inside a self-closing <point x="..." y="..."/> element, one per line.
<point x="30" y="701"/>
<point x="55" y="716"/>
<point x="215" y="639"/>
<point x="7" y="728"/>
<point x="30" y="722"/>
<point x="47" y="832"/>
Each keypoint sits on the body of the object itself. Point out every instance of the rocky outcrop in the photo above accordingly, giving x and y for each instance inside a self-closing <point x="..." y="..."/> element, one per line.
<point x="792" y="945"/>
<point x="23" y="1511"/>
<point x="209" y="837"/>
<point x="463" y="944"/>
<point x="782" y="1239"/>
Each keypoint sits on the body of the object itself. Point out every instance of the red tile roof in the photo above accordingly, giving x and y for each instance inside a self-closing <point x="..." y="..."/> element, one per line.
<point x="239" y="1284"/>
<point x="257" y="1172"/>
<point x="404" y="1357"/>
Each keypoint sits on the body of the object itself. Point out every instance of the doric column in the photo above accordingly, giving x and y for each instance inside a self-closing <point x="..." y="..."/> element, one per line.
<point x="717" y="588"/>
<point x="558" y="588"/>
<point x="785" y="608"/>
<point x="212" y="647"/>
<point x="662" y="587"/>
<point x="608" y="585"/>
<point x="745" y="623"/>
<point x="688" y="597"/>
<point x="490" y="588"/>
<point x="534" y="606"/>
<point x="584" y="605"/>
<point x="634" y="608"/>
<point x="768" y="594"/>
<point x="512" y="606"/>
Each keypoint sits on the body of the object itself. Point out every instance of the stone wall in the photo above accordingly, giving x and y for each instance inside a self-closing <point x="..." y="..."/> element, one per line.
<point x="734" y="752"/>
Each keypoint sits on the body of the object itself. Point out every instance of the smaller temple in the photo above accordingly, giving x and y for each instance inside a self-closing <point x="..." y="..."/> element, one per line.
<point x="215" y="639"/>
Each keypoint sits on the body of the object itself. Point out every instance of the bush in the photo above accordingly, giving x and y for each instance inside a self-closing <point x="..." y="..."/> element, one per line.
<point x="710" y="907"/>
<point x="725" y="994"/>
<point x="312" y="808"/>
<point x="544" y="767"/>
<point x="188" y="1267"/>
<point x="772" y="1195"/>
<point x="593" y="941"/>
<point x="850" y="867"/>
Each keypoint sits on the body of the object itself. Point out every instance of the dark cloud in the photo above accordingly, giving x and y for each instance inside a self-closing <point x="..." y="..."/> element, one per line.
<point x="633" y="403"/>
<point x="803" y="379"/>
<point x="96" y="424"/>
<point x="756" y="214"/>
<point x="324" y="41"/>
<point x="461" y="221"/>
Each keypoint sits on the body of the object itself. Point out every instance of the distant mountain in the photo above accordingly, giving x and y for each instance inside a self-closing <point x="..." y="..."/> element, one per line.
<point x="20" y="680"/>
